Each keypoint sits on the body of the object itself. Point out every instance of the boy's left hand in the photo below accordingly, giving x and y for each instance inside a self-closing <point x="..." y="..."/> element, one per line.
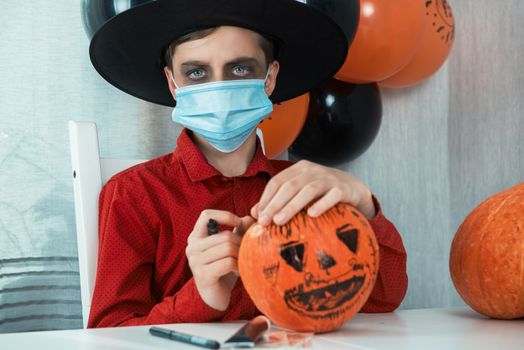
<point x="295" y="187"/>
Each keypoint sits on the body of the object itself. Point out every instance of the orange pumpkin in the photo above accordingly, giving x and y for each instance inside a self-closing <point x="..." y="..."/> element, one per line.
<point x="487" y="256"/>
<point x="312" y="274"/>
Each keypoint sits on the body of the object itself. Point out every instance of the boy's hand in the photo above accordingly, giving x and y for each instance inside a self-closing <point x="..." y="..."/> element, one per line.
<point x="213" y="259"/>
<point x="295" y="187"/>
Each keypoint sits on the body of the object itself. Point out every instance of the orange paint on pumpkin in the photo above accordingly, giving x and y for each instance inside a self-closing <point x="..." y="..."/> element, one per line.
<point x="487" y="256"/>
<point x="312" y="274"/>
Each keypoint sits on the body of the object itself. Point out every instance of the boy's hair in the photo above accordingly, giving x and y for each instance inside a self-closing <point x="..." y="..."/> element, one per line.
<point x="268" y="46"/>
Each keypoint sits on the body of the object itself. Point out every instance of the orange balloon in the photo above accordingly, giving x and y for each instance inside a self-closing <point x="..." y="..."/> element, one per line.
<point x="387" y="36"/>
<point x="283" y="125"/>
<point x="437" y="40"/>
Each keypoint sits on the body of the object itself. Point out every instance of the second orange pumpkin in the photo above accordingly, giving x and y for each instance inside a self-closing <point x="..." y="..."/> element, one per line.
<point x="487" y="256"/>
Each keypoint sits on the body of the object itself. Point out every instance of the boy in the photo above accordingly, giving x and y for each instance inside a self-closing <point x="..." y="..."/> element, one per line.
<point x="221" y="59"/>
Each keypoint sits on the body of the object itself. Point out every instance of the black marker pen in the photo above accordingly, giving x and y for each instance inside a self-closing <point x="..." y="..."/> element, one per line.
<point x="212" y="227"/>
<point x="185" y="338"/>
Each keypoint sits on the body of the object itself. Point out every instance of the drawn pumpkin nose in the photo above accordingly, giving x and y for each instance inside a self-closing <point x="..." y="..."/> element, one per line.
<point x="325" y="261"/>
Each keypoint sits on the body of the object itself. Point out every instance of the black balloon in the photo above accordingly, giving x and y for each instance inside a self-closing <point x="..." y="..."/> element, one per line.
<point x="345" y="13"/>
<point x="342" y="122"/>
<point x="97" y="12"/>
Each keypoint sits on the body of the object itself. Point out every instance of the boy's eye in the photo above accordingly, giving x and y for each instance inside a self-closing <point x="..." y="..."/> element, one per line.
<point x="196" y="74"/>
<point x="241" y="70"/>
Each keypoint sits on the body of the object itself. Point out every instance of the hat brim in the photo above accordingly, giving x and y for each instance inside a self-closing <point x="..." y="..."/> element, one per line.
<point x="128" y="50"/>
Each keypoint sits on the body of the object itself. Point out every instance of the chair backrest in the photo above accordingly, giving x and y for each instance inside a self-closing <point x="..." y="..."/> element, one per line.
<point x="90" y="172"/>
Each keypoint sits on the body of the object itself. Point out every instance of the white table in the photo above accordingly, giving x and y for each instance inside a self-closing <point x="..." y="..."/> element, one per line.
<point x="428" y="329"/>
<point x="442" y="329"/>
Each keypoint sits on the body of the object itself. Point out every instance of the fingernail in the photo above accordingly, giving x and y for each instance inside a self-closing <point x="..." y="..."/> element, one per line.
<point x="280" y="217"/>
<point x="313" y="212"/>
<point x="263" y="220"/>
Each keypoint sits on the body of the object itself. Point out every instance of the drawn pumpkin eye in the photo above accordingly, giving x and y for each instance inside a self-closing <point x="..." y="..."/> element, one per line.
<point x="293" y="254"/>
<point x="348" y="236"/>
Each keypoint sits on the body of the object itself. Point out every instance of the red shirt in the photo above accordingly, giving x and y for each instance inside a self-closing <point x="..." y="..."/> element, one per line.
<point x="146" y="215"/>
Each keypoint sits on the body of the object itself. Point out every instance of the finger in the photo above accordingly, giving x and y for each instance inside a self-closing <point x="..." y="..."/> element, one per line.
<point x="285" y="193"/>
<point x="200" y="245"/>
<point x="330" y="199"/>
<point x="274" y="184"/>
<point x="221" y="267"/>
<point x="221" y="251"/>
<point x="247" y="221"/>
<point x="307" y="194"/>
<point x="254" y="211"/>
<point x="221" y="216"/>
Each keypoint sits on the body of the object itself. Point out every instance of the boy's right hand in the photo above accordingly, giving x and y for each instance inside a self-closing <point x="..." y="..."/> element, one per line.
<point x="213" y="259"/>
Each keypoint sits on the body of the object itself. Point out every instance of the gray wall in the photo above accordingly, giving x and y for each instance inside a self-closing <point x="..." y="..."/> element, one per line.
<point x="443" y="147"/>
<point x="451" y="142"/>
<point x="46" y="79"/>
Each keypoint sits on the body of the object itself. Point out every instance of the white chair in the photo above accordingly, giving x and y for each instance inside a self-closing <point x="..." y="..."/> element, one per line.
<point x="90" y="172"/>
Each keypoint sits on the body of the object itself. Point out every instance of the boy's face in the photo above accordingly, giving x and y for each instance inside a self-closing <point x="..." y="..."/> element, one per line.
<point x="228" y="53"/>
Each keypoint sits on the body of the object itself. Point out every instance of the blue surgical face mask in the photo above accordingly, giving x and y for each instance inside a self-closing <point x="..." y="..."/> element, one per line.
<point x="224" y="113"/>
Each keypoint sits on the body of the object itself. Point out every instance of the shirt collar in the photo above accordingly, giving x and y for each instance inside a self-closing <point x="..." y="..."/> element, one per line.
<point x="199" y="169"/>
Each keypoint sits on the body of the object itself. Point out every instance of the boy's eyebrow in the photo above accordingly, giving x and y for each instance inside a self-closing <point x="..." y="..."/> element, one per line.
<point x="196" y="63"/>
<point x="243" y="60"/>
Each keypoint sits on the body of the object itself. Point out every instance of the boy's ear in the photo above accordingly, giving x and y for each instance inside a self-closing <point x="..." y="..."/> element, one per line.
<point x="271" y="82"/>
<point x="170" y="82"/>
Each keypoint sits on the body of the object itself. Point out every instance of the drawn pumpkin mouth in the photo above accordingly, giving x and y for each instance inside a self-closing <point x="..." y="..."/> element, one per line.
<point x="323" y="299"/>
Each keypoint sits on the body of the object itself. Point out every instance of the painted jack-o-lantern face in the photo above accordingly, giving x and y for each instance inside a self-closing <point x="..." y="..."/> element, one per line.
<point x="311" y="274"/>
